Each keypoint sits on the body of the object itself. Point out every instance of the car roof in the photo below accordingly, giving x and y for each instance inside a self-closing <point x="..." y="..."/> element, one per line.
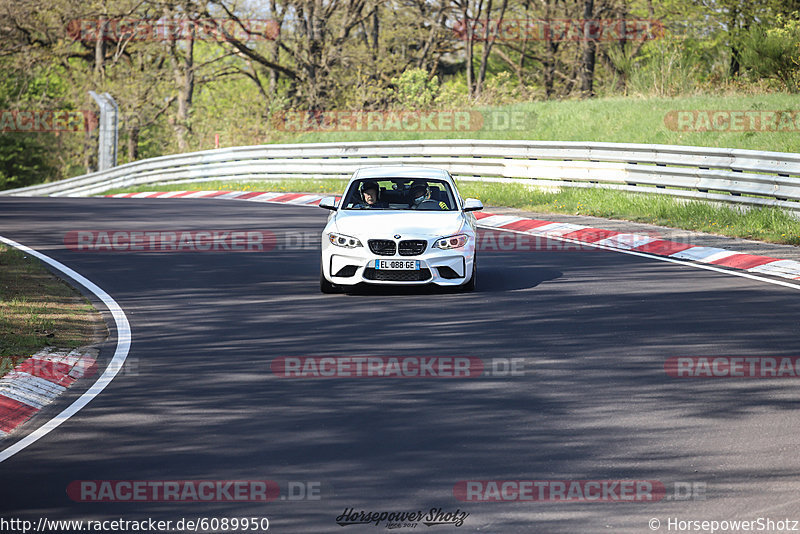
<point x="401" y="171"/>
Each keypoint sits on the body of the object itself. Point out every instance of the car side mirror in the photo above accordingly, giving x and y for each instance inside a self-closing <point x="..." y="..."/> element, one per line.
<point x="472" y="204"/>
<point x="329" y="203"/>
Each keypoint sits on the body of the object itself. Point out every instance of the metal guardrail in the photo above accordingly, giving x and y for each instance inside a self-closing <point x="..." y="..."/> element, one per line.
<point x="717" y="174"/>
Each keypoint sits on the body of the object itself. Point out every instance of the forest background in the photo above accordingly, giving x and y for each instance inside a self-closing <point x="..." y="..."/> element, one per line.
<point x="187" y="72"/>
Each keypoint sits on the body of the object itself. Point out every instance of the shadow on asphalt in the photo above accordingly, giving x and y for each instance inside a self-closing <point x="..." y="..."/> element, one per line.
<point x="593" y="402"/>
<point x="493" y="279"/>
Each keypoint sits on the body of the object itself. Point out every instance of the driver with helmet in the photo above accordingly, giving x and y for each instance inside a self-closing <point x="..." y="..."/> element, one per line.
<point x="370" y="196"/>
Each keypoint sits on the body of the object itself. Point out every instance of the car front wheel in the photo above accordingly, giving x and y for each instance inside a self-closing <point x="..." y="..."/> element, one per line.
<point x="470" y="286"/>
<point x="324" y="285"/>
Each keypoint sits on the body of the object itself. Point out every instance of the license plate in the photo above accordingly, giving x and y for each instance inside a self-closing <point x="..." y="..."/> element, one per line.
<point x="397" y="265"/>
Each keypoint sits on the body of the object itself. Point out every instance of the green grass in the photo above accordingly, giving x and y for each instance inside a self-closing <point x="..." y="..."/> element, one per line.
<point x="763" y="224"/>
<point x="38" y="310"/>
<point x="613" y="119"/>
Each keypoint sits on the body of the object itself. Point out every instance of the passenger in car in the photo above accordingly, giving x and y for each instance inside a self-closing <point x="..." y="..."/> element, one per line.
<point x="421" y="199"/>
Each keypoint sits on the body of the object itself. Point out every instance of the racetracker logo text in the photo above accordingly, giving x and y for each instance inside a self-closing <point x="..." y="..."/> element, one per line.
<point x="499" y="241"/>
<point x="38" y="120"/>
<point x="726" y="120"/>
<point x="165" y="29"/>
<point x="58" y="371"/>
<point x="402" y="121"/>
<point x="170" y="241"/>
<point x="558" y="30"/>
<point x="559" y="490"/>
<point x="733" y="367"/>
<point x="173" y="490"/>
<point x="377" y="366"/>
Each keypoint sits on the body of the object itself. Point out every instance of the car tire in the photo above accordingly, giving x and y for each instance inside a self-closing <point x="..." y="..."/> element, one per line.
<point x="324" y="285"/>
<point x="470" y="286"/>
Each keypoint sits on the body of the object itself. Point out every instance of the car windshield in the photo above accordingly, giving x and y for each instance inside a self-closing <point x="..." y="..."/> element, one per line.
<point x="399" y="194"/>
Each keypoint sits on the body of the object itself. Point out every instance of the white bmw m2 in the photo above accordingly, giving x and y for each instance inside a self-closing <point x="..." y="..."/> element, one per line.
<point x="399" y="225"/>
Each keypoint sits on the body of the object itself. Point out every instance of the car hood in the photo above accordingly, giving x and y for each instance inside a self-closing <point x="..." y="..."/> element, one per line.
<point x="382" y="224"/>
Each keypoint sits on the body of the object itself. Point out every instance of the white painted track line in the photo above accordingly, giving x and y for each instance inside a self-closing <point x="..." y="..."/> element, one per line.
<point x="121" y="352"/>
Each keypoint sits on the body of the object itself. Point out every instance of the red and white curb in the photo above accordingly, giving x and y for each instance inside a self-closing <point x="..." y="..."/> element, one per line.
<point x="38" y="381"/>
<point x="123" y="334"/>
<point x="252" y="196"/>
<point x="575" y="233"/>
<point x="645" y="244"/>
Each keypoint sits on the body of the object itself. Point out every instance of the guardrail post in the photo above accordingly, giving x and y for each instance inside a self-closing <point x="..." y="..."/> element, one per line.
<point x="108" y="137"/>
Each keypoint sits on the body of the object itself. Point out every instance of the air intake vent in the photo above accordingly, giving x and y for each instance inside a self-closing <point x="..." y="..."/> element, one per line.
<point x="382" y="247"/>
<point x="412" y="247"/>
<point x="397" y="276"/>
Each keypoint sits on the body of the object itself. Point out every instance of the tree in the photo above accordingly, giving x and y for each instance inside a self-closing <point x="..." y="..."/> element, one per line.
<point x="775" y="52"/>
<point x="315" y="41"/>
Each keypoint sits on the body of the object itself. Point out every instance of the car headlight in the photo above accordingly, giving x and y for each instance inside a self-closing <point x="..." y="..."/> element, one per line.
<point x="451" y="242"/>
<point x="341" y="240"/>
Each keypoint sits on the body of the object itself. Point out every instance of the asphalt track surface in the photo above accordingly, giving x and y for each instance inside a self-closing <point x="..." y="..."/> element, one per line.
<point x="200" y="401"/>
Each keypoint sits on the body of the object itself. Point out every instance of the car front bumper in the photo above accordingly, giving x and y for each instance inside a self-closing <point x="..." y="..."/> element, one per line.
<point x="441" y="267"/>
